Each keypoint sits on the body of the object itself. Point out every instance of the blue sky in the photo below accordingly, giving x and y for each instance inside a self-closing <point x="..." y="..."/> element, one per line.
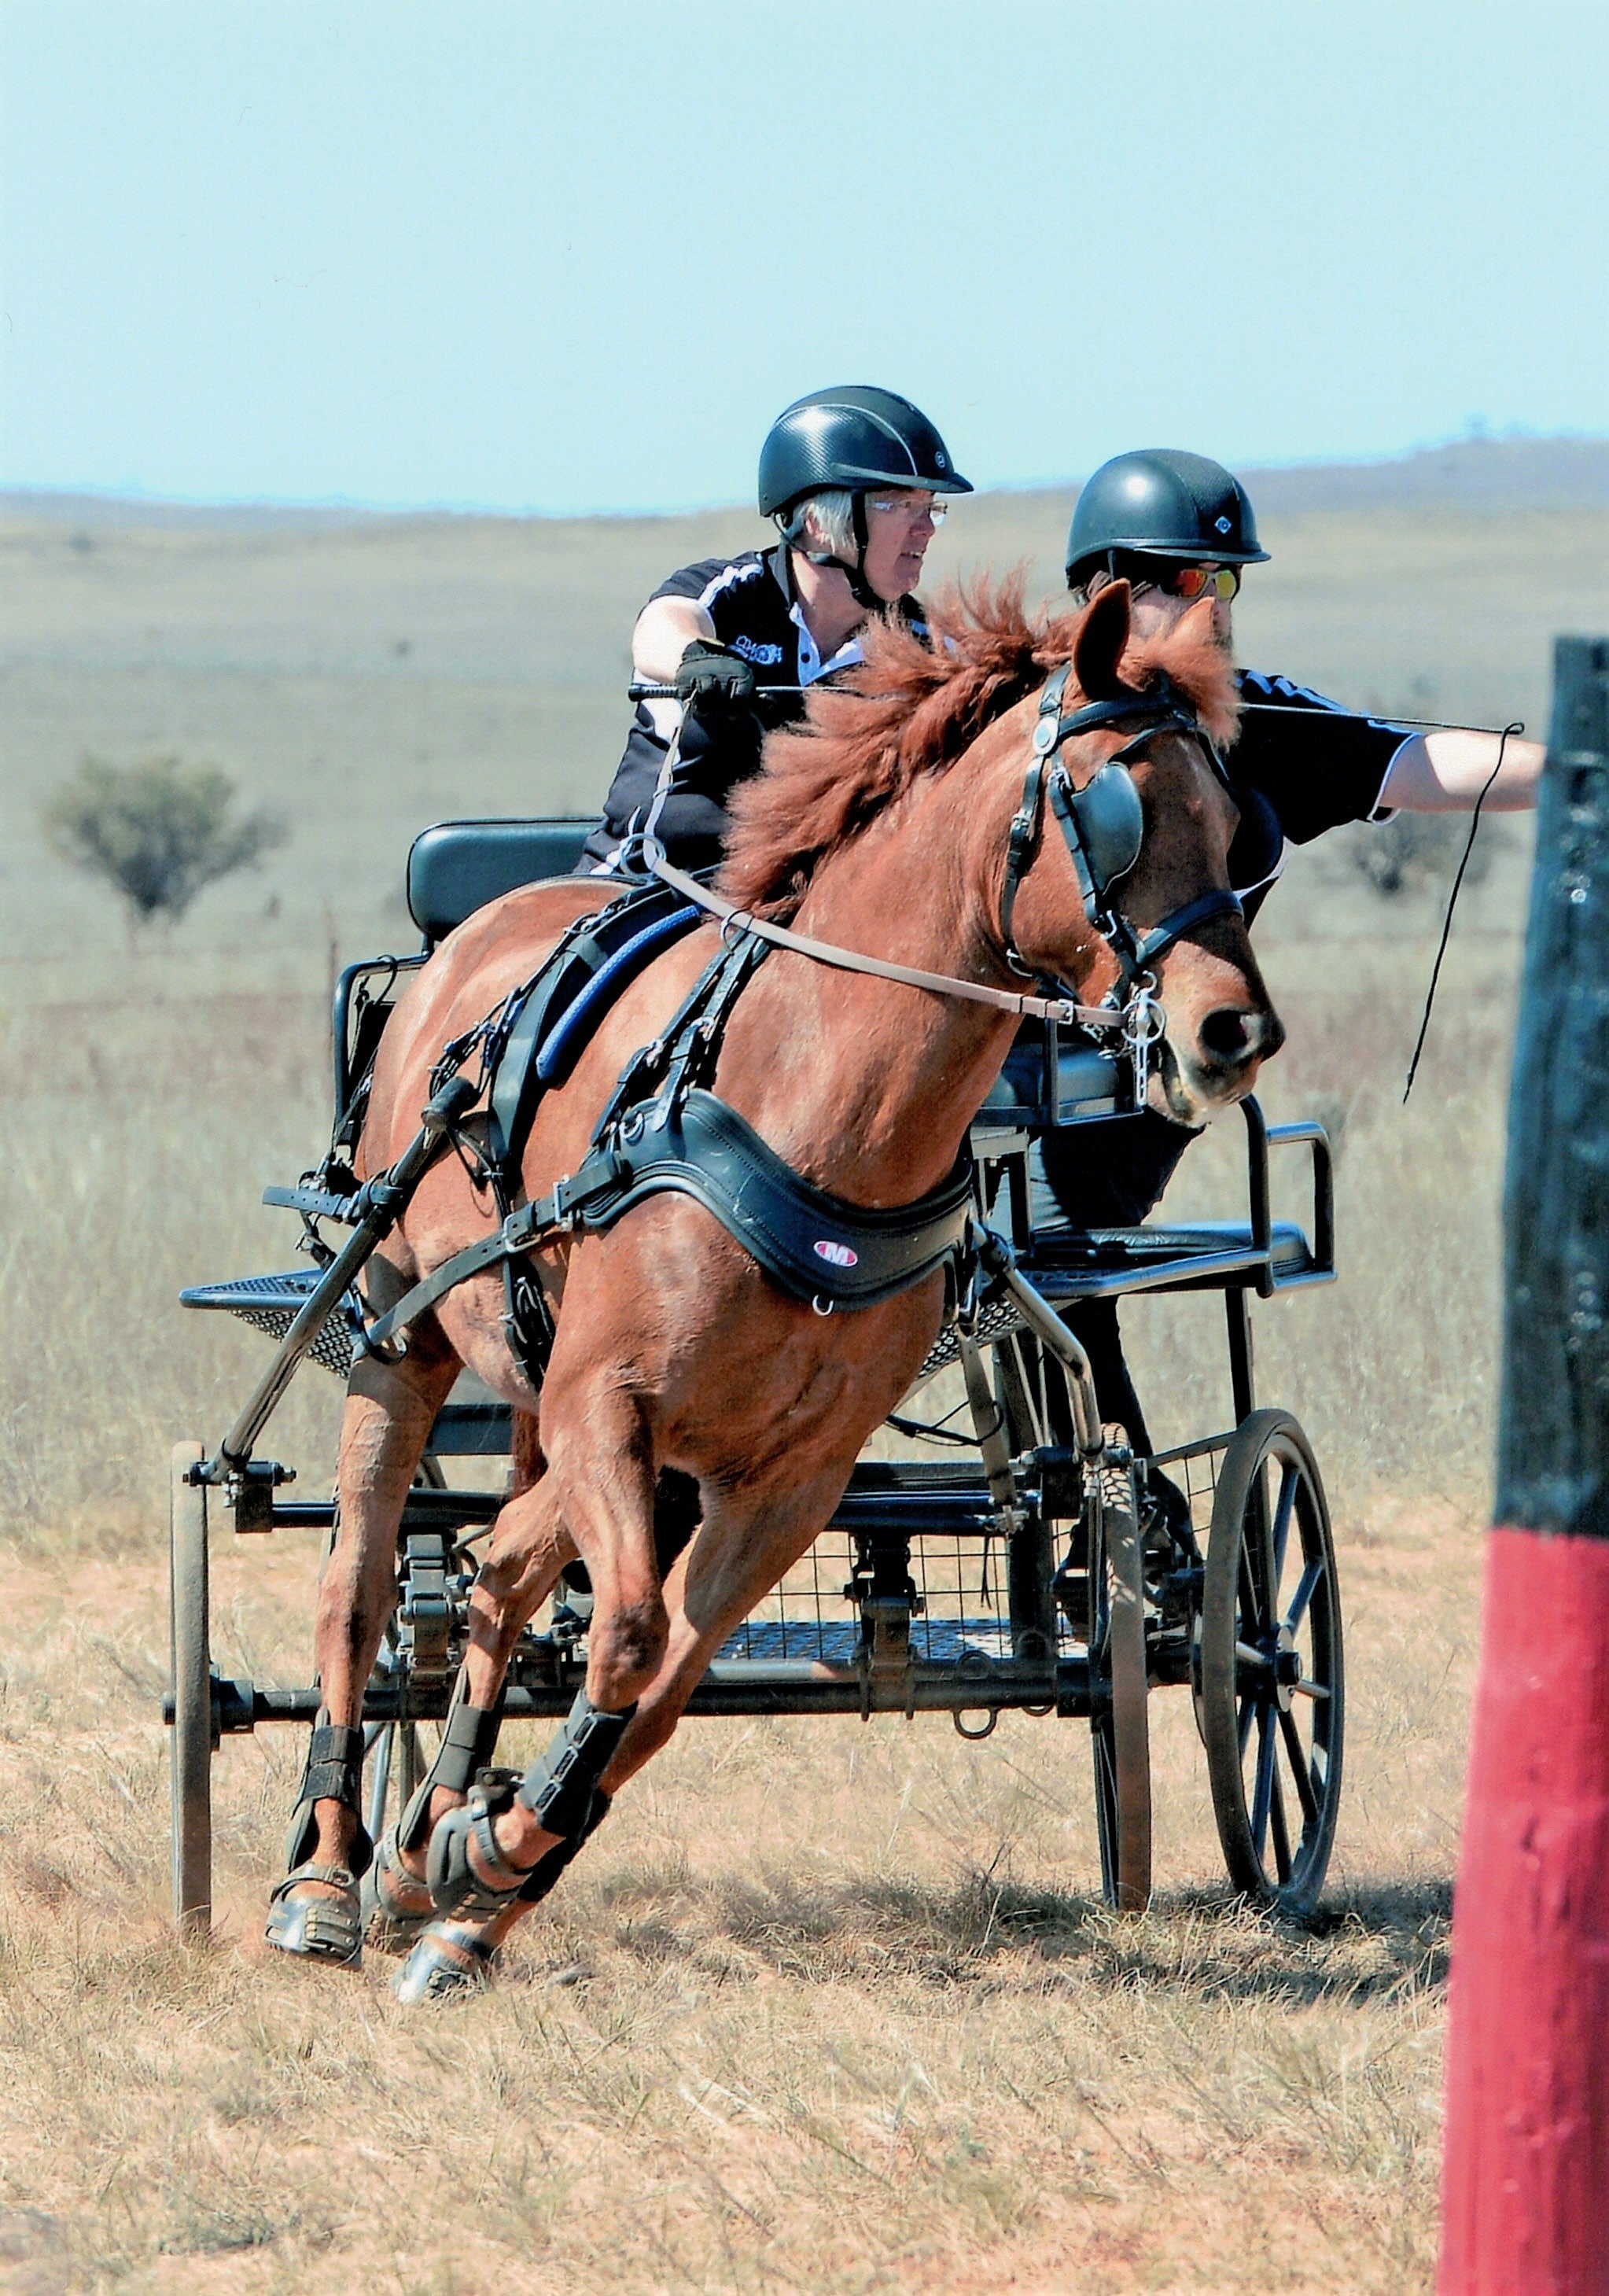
<point x="573" y="257"/>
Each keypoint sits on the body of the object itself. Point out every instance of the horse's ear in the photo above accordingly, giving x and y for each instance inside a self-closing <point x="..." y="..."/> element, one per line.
<point x="1098" y="648"/>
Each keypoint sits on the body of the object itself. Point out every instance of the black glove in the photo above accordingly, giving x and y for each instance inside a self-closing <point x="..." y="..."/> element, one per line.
<point x="713" y="677"/>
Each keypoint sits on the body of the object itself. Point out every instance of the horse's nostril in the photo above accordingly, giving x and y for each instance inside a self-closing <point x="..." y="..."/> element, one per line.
<point x="1226" y="1034"/>
<point x="1234" y="1036"/>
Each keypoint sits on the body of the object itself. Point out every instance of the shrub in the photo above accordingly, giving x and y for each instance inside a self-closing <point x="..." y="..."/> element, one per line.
<point x="158" y="831"/>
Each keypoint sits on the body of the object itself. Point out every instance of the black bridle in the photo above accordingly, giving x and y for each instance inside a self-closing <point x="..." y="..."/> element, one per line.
<point x="1102" y="824"/>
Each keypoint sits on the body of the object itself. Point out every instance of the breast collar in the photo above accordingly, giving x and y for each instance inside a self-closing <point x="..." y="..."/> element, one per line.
<point x="1103" y="822"/>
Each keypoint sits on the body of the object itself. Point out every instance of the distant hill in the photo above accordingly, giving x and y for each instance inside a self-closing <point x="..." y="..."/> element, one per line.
<point x="1475" y="474"/>
<point x="1472" y="475"/>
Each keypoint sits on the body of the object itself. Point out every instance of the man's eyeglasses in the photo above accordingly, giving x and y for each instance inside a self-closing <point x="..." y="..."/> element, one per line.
<point x="907" y="507"/>
<point x="1192" y="581"/>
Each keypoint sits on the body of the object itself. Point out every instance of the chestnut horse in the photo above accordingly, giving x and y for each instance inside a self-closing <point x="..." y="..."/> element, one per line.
<point x="881" y="825"/>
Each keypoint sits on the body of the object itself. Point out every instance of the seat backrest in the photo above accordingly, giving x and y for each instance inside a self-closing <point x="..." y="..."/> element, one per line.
<point x="458" y="866"/>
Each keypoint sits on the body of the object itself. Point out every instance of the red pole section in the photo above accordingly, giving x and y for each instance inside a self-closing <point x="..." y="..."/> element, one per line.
<point x="1525" y="2184"/>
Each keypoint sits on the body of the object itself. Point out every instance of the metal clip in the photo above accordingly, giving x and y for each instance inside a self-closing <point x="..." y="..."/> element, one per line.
<point x="1144" y="1024"/>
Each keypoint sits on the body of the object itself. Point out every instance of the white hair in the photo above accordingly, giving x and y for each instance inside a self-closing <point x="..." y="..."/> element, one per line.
<point x="825" y="521"/>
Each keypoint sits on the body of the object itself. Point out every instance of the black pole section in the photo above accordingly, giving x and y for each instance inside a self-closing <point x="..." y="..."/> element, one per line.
<point x="1553" y="1457"/>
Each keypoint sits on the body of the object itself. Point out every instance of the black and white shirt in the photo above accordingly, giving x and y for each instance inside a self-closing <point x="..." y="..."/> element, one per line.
<point x="676" y="789"/>
<point x="1301" y="764"/>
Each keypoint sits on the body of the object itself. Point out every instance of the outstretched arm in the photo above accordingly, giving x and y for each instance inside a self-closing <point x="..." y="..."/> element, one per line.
<point x="1446" y="772"/>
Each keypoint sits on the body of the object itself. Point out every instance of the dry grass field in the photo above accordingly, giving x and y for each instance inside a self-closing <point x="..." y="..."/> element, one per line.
<point x="827" y="2007"/>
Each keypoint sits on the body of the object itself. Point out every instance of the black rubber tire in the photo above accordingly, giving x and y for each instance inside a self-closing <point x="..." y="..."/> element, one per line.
<point x="1269" y="1668"/>
<point x="1119" y="1729"/>
<point x="191" y="1658"/>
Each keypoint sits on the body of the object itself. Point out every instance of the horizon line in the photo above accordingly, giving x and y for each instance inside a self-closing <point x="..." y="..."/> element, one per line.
<point x="349" y="506"/>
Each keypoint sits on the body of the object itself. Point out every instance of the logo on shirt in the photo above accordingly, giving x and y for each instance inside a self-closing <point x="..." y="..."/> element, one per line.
<point x="756" y="650"/>
<point x="837" y="1255"/>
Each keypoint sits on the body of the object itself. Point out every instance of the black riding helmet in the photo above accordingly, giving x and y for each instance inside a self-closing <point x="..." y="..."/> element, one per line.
<point x="1163" y="503"/>
<point x="854" y="437"/>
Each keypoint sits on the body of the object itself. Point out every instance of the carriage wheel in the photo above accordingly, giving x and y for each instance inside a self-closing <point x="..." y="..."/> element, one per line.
<point x="1267" y="1673"/>
<point x="1120" y="1727"/>
<point x="192" y="1672"/>
<point x="1037" y="1399"/>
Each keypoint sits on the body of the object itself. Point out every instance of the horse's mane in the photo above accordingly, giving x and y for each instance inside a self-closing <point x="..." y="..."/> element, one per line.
<point x="914" y="708"/>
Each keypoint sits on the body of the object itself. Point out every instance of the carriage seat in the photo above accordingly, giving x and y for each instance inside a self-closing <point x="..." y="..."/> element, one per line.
<point x="1066" y="1261"/>
<point x="458" y="866"/>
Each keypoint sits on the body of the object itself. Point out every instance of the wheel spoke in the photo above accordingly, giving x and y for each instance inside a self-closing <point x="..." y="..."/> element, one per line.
<point x="1307" y="1586"/>
<point x="1256" y="1552"/>
<point x="1282" y="1527"/>
<point x="1248" y="1715"/>
<point x="1300" y="1775"/>
<point x="1263" y="1791"/>
<point x="1282" y="1840"/>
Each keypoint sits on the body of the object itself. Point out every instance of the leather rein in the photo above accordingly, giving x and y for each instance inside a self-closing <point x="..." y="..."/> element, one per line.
<point x="1102" y="825"/>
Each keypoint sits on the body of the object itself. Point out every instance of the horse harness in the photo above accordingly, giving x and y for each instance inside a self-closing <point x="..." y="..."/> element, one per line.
<point x="1103" y="822"/>
<point x="664" y="1129"/>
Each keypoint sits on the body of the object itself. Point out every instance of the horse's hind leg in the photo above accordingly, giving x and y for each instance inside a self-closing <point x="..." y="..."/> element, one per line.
<point x="390" y="1408"/>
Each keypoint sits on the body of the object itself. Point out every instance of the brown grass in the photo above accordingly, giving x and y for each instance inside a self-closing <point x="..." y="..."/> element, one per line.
<point x="827" y="2007"/>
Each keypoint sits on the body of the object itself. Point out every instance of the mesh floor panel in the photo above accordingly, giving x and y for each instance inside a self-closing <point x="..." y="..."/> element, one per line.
<point x="272" y="1304"/>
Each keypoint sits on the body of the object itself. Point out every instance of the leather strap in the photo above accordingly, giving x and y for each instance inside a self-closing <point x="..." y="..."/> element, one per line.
<point x="846" y="960"/>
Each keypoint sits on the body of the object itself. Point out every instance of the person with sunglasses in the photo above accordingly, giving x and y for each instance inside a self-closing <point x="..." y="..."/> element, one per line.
<point x="855" y="479"/>
<point x="1180" y="527"/>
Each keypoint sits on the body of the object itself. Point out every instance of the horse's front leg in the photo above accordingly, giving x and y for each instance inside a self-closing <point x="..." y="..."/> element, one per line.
<point x="316" y="1912"/>
<point x="527" y="1550"/>
<point x="739" y="1554"/>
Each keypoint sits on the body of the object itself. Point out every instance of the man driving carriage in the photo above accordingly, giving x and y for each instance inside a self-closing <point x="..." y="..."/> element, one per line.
<point x="854" y="479"/>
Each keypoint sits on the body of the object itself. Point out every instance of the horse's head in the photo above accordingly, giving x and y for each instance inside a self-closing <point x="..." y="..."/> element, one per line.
<point x="1123" y="874"/>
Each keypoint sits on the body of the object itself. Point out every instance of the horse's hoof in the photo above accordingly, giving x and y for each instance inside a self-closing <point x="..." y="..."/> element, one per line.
<point x="448" y="1963"/>
<point x="390" y="1925"/>
<point x="317" y="1928"/>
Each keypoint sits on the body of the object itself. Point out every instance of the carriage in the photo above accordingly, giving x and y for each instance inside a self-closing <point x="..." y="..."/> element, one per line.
<point x="1018" y="1556"/>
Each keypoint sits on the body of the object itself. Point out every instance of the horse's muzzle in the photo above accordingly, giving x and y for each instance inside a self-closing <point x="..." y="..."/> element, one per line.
<point x="1220" y="1066"/>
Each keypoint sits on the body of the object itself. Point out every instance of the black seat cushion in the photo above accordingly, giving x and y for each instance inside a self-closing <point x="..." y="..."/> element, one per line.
<point x="458" y="866"/>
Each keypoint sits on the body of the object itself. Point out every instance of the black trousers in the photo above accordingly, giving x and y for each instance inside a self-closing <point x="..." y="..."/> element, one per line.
<point x="1109" y="1174"/>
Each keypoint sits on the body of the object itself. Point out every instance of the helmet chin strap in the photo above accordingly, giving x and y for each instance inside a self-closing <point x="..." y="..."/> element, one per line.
<point x="860" y="588"/>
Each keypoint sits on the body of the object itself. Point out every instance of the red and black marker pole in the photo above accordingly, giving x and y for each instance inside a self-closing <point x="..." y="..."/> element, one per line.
<point x="1525" y="2190"/>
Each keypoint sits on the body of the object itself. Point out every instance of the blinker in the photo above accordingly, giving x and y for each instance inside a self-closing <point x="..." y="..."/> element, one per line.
<point x="1111" y="823"/>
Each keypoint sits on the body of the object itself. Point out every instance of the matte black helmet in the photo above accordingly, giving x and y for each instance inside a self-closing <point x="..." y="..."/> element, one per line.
<point x="855" y="436"/>
<point x="1167" y="505"/>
